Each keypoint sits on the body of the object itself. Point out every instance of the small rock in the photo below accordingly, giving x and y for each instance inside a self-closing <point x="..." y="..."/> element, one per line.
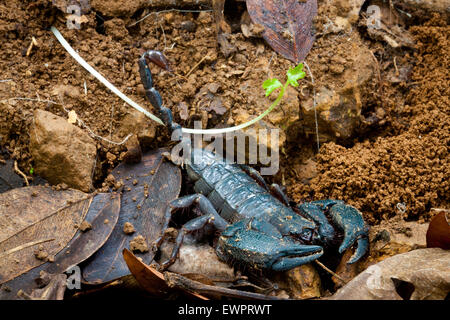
<point x="85" y="226"/>
<point x="62" y="152"/>
<point x="116" y="28"/>
<point x="128" y="228"/>
<point x="302" y="282"/>
<point x="192" y="259"/>
<point x="339" y="103"/>
<point x="41" y="254"/>
<point x="188" y="26"/>
<point x="138" y="244"/>
<point x="423" y="272"/>
<point x="137" y="123"/>
<point x="134" y="151"/>
<point x="115" y="8"/>
<point x="205" y="17"/>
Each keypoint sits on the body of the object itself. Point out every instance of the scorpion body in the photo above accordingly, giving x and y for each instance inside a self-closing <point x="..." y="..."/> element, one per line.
<point x="258" y="225"/>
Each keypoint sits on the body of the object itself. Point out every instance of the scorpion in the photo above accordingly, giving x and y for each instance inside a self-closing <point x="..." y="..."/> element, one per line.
<point x="258" y="225"/>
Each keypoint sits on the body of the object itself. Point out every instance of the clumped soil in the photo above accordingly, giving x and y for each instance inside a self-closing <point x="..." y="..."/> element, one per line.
<point x="408" y="162"/>
<point x="403" y="159"/>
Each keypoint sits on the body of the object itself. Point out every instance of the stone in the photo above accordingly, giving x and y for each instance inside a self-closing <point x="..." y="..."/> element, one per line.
<point x="192" y="259"/>
<point x="422" y="274"/>
<point x="302" y="282"/>
<point x="139" y="244"/>
<point x="423" y="8"/>
<point x="340" y="92"/>
<point x="128" y="228"/>
<point x="137" y="123"/>
<point x="62" y="152"/>
<point x="126" y="8"/>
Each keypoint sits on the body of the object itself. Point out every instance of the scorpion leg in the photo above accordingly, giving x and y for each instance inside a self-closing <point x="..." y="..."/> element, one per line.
<point x="275" y="189"/>
<point x="351" y="221"/>
<point x="151" y="93"/>
<point x="256" y="242"/>
<point x="254" y="174"/>
<point x="210" y="217"/>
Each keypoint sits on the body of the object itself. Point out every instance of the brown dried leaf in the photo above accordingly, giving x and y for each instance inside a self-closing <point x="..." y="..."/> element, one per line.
<point x="287" y="25"/>
<point x="148" y="187"/>
<point x="82" y="245"/>
<point x="438" y="234"/>
<point x="182" y="282"/>
<point x="34" y="217"/>
<point x="149" y="278"/>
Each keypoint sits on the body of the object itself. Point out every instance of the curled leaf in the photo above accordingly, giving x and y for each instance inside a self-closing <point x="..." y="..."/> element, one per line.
<point x="271" y="84"/>
<point x="438" y="233"/>
<point x="287" y="25"/>
<point x="295" y="74"/>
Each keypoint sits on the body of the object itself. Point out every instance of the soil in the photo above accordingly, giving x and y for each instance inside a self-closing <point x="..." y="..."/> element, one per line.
<point x="398" y="160"/>
<point x="407" y="162"/>
<point x="403" y="160"/>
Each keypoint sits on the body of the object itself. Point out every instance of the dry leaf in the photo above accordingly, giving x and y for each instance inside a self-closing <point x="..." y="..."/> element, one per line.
<point x="53" y="213"/>
<point x="147" y="189"/>
<point x="36" y="216"/>
<point x="287" y="25"/>
<point x="438" y="234"/>
<point x="149" y="278"/>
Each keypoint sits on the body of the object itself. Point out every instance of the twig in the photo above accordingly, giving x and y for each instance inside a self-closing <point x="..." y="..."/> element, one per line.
<point x="6" y="80"/>
<point x="164" y="37"/>
<point x="329" y="271"/>
<point x="378" y="67"/>
<point x="196" y="66"/>
<point x="395" y="65"/>
<point x="440" y="209"/>
<point x="16" y="169"/>
<point x="82" y="124"/>
<point x="314" y="105"/>
<point x="33" y="43"/>
<point x="31" y="99"/>
<point x="164" y="11"/>
<point x="23" y="246"/>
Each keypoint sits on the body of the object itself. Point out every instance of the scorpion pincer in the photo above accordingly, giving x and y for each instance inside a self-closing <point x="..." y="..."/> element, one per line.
<point x="258" y="225"/>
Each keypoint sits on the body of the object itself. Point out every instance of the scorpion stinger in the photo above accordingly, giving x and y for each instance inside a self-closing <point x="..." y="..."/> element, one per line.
<point x="151" y="93"/>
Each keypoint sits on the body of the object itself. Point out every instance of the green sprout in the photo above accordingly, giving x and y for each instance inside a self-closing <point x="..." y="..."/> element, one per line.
<point x="293" y="75"/>
<point x="32" y="170"/>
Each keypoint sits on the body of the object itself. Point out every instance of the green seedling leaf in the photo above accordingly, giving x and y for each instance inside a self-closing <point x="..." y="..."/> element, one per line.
<point x="295" y="74"/>
<point x="271" y="84"/>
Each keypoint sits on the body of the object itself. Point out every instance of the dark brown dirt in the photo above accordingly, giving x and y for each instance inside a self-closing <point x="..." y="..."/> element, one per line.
<point x="409" y="163"/>
<point x="402" y="159"/>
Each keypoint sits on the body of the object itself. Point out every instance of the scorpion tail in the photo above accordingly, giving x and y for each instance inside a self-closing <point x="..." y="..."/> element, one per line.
<point x="152" y="94"/>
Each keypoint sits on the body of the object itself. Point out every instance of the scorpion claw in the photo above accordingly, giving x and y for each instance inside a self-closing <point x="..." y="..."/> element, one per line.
<point x="361" y="249"/>
<point x="243" y="243"/>
<point x="351" y="221"/>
